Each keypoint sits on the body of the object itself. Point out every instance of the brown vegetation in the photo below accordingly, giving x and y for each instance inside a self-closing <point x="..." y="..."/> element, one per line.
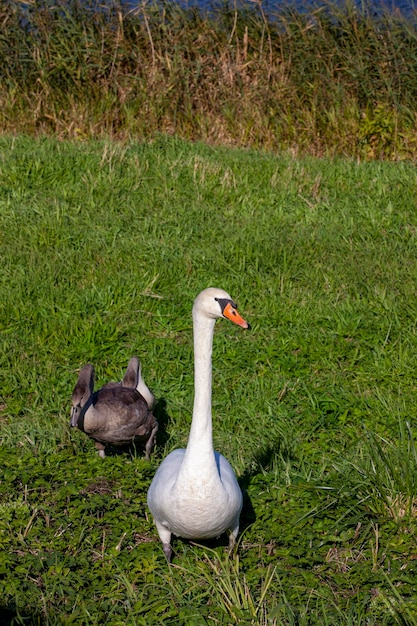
<point x="326" y="81"/>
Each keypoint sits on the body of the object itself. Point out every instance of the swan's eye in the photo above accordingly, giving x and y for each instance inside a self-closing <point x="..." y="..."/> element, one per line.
<point x="225" y="302"/>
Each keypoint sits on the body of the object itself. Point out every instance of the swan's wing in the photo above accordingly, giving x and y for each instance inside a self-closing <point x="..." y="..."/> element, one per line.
<point x="228" y="479"/>
<point x="159" y="492"/>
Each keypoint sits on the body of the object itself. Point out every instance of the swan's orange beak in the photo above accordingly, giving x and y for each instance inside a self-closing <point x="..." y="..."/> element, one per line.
<point x="231" y="313"/>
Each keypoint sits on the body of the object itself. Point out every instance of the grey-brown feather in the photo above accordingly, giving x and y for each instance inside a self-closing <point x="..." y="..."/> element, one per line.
<point x="117" y="413"/>
<point x="131" y="377"/>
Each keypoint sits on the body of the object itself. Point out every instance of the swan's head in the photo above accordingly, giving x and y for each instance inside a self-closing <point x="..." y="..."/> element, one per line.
<point x="82" y="392"/>
<point x="214" y="303"/>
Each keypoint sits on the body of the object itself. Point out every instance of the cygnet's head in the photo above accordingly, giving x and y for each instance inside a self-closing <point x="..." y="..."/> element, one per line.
<point x="82" y="392"/>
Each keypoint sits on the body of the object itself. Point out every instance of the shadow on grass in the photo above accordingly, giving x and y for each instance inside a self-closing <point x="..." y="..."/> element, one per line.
<point x="9" y="616"/>
<point x="163" y="418"/>
<point x="261" y="462"/>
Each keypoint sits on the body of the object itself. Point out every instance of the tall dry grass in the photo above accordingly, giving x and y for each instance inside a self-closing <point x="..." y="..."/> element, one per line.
<point x="330" y="80"/>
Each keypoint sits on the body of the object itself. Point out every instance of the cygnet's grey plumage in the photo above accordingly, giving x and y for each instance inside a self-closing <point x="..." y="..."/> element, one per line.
<point x="118" y="413"/>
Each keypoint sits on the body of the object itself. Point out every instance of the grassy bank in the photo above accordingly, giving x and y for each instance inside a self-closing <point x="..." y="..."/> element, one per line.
<point x="104" y="248"/>
<point x="331" y="81"/>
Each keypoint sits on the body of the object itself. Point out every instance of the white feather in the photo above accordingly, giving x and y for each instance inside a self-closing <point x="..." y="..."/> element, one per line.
<point x="194" y="493"/>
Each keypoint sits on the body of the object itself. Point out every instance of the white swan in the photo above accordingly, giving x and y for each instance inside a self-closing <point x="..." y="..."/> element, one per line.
<point x="194" y="493"/>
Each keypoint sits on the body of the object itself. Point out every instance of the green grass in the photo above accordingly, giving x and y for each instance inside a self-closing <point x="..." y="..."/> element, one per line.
<point x="104" y="247"/>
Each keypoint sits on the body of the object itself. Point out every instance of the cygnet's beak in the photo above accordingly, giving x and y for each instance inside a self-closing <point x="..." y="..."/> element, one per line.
<point x="74" y="416"/>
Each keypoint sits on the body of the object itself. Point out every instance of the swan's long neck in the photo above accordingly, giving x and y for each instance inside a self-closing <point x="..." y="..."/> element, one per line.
<point x="200" y="442"/>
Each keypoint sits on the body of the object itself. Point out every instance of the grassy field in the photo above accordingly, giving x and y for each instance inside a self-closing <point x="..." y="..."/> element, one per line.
<point x="103" y="249"/>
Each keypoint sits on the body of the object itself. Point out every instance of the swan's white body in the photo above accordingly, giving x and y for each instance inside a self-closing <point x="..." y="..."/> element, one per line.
<point x="194" y="493"/>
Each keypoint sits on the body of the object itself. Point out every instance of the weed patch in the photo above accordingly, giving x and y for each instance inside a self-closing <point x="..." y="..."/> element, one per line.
<point x="329" y="80"/>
